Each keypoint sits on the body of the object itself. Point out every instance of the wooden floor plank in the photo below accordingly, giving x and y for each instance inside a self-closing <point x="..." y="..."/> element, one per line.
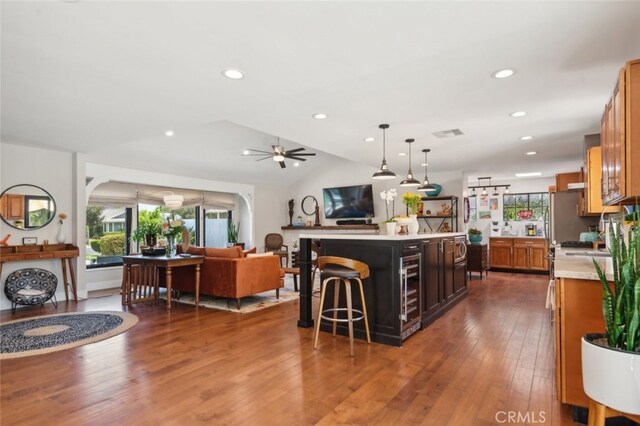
<point x="491" y="353"/>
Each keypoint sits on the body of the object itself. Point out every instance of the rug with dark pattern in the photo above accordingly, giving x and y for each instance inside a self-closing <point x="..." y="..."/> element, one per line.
<point x="35" y="336"/>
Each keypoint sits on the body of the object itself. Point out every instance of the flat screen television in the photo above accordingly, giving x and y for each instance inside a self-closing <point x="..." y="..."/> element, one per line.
<point x="348" y="201"/>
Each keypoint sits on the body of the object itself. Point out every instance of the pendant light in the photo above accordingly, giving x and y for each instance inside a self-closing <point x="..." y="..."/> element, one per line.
<point x="384" y="172"/>
<point x="426" y="186"/>
<point x="410" y="180"/>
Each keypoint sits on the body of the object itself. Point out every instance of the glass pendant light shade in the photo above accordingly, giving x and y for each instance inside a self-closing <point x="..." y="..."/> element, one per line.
<point x="426" y="186"/>
<point x="384" y="172"/>
<point x="410" y="180"/>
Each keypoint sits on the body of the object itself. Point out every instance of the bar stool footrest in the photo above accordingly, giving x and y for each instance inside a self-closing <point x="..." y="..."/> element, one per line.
<point x="356" y="311"/>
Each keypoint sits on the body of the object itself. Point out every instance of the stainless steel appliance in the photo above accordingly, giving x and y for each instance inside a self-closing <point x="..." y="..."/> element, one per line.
<point x="531" y="230"/>
<point x="563" y="223"/>
<point x="410" y="297"/>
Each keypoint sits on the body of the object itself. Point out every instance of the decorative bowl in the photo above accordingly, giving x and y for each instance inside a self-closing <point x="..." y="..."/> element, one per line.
<point x="434" y="192"/>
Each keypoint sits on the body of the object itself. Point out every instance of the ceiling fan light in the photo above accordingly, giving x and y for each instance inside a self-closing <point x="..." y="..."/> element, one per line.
<point x="278" y="157"/>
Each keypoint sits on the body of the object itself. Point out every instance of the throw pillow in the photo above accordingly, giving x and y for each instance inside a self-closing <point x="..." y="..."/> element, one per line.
<point x="260" y="254"/>
<point x="196" y="250"/>
<point x="229" y="253"/>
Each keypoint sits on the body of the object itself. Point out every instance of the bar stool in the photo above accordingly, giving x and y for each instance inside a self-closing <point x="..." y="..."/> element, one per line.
<point x="344" y="270"/>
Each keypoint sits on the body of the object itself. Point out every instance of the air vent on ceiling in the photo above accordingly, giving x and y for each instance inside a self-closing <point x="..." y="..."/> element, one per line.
<point x="448" y="133"/>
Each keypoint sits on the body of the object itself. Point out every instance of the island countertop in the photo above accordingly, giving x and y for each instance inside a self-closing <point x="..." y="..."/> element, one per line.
<point x="581" y="266"/>
<point x="326" y="236"/>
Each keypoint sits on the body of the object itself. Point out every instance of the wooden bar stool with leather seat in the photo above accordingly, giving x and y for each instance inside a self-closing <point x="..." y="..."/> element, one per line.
<point x="340" y="269"/>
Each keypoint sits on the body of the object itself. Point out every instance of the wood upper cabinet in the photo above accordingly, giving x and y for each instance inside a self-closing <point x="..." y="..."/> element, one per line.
<point x="594" y="181"/>
<point x="12" y="207"/>
<point x="564" y="179"/>
<point x="501" y="252"/>
<point x="620" y="139"/>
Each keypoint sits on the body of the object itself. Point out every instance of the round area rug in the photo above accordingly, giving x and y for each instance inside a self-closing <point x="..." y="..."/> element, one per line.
<point x="39" y="335"/>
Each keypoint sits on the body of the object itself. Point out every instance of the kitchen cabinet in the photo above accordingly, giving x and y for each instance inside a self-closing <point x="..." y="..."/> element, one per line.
<point x="620" y="139"/>
<point x="445" y="275"/>
<point x="593" y="179"/>
<point x="501" y="253"/>
<point x="564" y="179"/>
<point x="525" y="254"/>
<point x="12" y="207"/>
<point x="435" y="220"/>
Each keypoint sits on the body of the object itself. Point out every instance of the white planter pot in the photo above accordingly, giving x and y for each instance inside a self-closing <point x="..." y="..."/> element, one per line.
<point x="391" y="228"/>
<point x="610" y="376"/>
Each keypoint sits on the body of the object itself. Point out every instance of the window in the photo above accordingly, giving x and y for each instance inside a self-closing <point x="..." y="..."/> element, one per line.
<point x="527" y="206"/>
<point x="108" y="231"/>
<point x="215" y="227"/>
<point x="149" y="213"/>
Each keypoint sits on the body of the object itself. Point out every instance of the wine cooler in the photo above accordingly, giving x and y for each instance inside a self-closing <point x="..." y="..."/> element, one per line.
<point x="410" y="297"/>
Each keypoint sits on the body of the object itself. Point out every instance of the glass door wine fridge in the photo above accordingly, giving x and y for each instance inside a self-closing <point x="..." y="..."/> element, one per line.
<point x="410" y="297"/>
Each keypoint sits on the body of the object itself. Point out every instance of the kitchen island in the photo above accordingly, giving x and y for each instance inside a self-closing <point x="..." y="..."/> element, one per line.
<point x="578" y="312"/>
<point x="413" y="280"/>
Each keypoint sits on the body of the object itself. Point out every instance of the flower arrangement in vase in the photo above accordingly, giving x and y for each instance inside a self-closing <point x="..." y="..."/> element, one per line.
<point x="389" y="197"/>
<point x="171" y="228"/>
<point x="412" y="201"/>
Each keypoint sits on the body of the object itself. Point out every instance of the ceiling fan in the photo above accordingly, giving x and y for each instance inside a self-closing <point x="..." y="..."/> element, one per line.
<point x="279" y="154"/>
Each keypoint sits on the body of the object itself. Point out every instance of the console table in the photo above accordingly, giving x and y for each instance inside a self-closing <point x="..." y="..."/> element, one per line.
<point x="140" y="276"/>
<point x="65" y="252"/>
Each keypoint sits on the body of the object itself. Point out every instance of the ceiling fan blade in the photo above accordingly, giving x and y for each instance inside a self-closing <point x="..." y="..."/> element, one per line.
<point x="295" y="150"/>
<point x="302" y="154"/>
<point x="259" y="151"/>
<point x="297" y="158"/>
<point x="282" y="165"/>
<point x="265" y="158"/>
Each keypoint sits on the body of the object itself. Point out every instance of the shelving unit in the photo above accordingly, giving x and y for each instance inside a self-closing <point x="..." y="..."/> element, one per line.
<point x="452" y="216"/>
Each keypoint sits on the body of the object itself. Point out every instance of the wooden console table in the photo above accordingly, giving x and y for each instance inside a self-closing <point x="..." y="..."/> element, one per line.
<point x="65" y="252"/>
<point x="140" y="276"/>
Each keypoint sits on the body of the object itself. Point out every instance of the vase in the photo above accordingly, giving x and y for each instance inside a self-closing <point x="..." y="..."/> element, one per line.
<point x="475" y="238"/>
<point x="171" y="246"/>
<point x="61" y="238"/>
<point x="414" y="226"/>
<point x="391" y="228"/>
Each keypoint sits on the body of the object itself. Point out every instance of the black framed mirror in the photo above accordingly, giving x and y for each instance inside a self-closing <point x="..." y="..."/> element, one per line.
<point x="27" y="207"/>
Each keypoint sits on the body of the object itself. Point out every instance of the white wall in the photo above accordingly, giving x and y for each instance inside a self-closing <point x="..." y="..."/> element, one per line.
<point x="52" y="171"/>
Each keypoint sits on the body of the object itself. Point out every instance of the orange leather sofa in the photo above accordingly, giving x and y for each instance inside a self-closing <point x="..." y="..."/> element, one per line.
<point x="227" y="272"/>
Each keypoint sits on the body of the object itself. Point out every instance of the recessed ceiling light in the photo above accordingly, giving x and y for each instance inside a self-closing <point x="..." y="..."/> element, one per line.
<point x="245" y="152"/>
<point x="169" y="133"/>
<point x="531" y="153"/>
<point x="505" y="73"/>
<point x="518" y="114"/>
<point x="320" y="116"/>
<point x="296" y="164"/>
<point x="369" y="139"/>
<point x="528" y="174"/>
<point x="233" y="74"/>
<point x="526" y="138"/>
<point x="402" y="154"/>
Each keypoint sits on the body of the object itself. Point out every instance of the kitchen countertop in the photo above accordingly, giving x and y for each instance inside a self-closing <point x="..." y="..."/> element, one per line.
<point x="326" y="236"/>
<point x="580" y="267"/>
<point x="517" y="236"/>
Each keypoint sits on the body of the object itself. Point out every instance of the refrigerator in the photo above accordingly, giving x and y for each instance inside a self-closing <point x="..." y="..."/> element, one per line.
<point x="562" y="222"/>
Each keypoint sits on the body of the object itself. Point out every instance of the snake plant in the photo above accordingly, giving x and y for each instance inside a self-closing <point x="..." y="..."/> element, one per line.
<point x="621" y="307"/>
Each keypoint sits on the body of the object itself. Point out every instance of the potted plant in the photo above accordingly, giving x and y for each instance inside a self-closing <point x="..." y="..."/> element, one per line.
<point x="388" y="197"/>
<point x="146" y="232"/>
<point x="233" y="229"/>
<point x="611" y="361"/>
<point x="475" y="235"/>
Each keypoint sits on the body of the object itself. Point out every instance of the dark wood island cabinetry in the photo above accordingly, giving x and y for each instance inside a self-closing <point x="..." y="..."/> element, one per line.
<point x="440" y="284"/>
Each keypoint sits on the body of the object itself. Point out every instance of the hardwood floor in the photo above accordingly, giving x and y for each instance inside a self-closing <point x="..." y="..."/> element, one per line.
<point x="490" y="355"/>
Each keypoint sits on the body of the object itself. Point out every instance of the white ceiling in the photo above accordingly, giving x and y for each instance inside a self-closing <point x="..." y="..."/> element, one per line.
<point x="108" y="78"/>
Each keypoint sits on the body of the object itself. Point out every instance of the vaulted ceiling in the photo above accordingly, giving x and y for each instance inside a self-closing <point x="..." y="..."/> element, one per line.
<point x="109" y="78"/>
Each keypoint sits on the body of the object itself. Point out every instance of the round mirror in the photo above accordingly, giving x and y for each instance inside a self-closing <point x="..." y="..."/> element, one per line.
<point x="27" y="207"/>
<point x="309" y="207"/>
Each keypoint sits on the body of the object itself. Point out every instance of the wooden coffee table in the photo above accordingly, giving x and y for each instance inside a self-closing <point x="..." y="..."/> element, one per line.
<point x="295" y="272"/>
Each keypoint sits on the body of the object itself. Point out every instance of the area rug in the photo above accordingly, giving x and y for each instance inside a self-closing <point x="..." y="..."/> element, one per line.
<point x="50" y="333"/>
<point x="248" y="304"/>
